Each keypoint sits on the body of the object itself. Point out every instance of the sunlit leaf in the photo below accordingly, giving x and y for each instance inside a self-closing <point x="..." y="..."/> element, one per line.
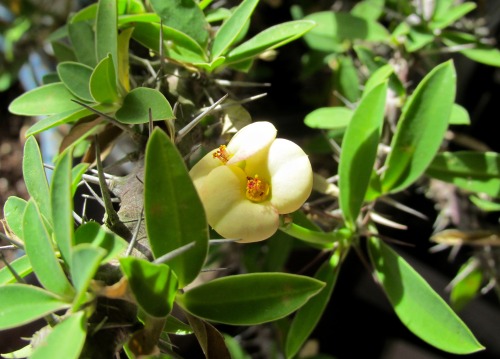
<point x="61" y="201"/>
<point x="137" y="104"/>
<point x="44" y="100"/>
<point x="38" y="247"/>
<point x="23" y="304"/>
<point x="270" y="38"/>
<point x="173" y="211"/>
<point x="328" y="118"/>
<point x="93" y="233"/>
<point x="13" y="210"/>
<point x="103" y="82"/>
<point x="359" y="151"/>
<point x="106" y="32"/>
<point x="417" y="305"/>
<point x="472" y="48"/>
<point x="65" y="340"/>
<point x="466" y="284"/>
<point x="76" y="78"/>
<point x="275" y="294"/>
<point x="185" y="16"/>
<point x="421" y="128"/>
<point x="459" y="116"/>
<point x="232" y="27"/>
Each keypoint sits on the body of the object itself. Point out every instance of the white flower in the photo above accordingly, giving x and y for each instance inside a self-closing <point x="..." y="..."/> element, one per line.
<point x="247" y="184"/>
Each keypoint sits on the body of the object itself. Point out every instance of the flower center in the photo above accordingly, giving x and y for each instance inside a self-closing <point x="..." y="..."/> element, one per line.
<point x="257" y="190"/>
<point x="222" y="154"/>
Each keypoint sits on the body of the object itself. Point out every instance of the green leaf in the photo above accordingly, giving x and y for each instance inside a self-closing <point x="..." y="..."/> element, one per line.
<point x="138" y="102"/>
<point x="65" y="340"/>
<point x="76" y="78"/>
<point x="185" y="16"/>
<point x="270" y="38"/>
<point x="359" y="151"/>
<point x="232" y="27"/>
<point x="379" y="76"/>
<point x="63" y="52"/>
<point x="459" y="116"/>
<point x="466" y="284"/>
<point x="421" y="309"/>
<point x="85" y="14"/>
<point x="215" y="15"/>
<point x="329" y="118"/>
<point x="369" y="9"/>
<point x="35" y="178"/>
<point x="76" y="175"/>
<point x="417" y="38"/>
<point x="13" y="210"/>
<point x="23" y="304"/>
<point x="103" y="82"/>
<point x="177" y="45"/>
<point x="38" y="247"/>
<point x="21" y="266"/>
<point x="106" y="32"/>
<point x="177" y="327"/>
<point x="346" y="79"/>
<point x="170" y="222"/>
<point x="154" y="285"/>
<point x="61" y="201"/>
<point x="44" y="100"/>
<point x="85" y="261"/>
<point x="444" y="19"/>
<point x="479" y="52"/>
<point x="334" y="28"/>
<point x="308" y="316"/>
<point x="82" y="38"/>
<point x="469" y="170"/>
<point x="441" y="8"/>
<point x="234" y="299"/>
<point x="485" y="205"/>
<point x="59" y="119"/>
<point x="420" y="129"/>
<point x="93" y="233"/>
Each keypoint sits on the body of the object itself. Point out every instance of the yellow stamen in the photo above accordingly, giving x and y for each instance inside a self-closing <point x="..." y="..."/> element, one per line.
<point x="257" y="190"/>
<point x="222" y="154"/>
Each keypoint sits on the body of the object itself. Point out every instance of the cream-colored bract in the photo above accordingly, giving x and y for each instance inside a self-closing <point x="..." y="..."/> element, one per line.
<point x="228" y="180"/>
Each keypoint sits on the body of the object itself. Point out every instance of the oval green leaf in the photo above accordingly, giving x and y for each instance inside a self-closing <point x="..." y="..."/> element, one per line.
<point x="231" y="28"/>
<point x="38" y="247"/>
<point x="459" y="116"/>
<point x="185" y="16"/>
<point x="13" y="210"/>
<point x="76" y="77"/>
<point x="154" y="285"/>
<point x="334" y="28"/>
<point x="250" y="299"/>
<point x="82" y="38"/>
<point x="44" y="100"/>
<point x="65" y="340"/>
<point x="173" y="211"/>
<point x="85" y="260"/>
<point x="138" y="102"/>
<point x="58" y="119"/>
<point x="23" y="304"/>
<point x="417" y="305"/>
<point x="420" y="129"/>
<point x="35" y="178"/>
<point x="106" y="32"/>
<point x="329" y="118"/>
<point x="308" y="316"/>
<point x="61" y="203"/>
<point x="93" y="233"/>
<point x="359" y="151"/>
<point x="466" y="284"/>
<point x="472" y="171"/>
<point x="103" y="82"/>
<point x="268" y="39"/>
